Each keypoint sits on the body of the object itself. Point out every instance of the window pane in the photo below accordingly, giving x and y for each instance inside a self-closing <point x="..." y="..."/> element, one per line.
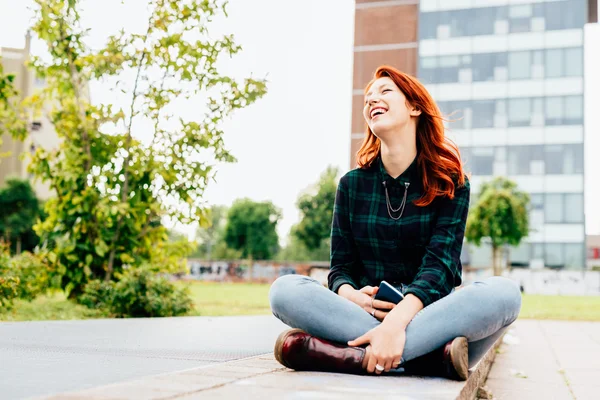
<point x="554" y="255"/>
<point x="519" y="112"/>
<point x="428" y="25"/>
<point x="554" y="112"/>
<point x="554" y="63"/>
<point x="483" y="114"/>
<point x="520" y="25"/>
<point x="574" y="253"/>
<point x="483" y="160"/>
<point x="574" y="62"/>
<point x="518" y="162"/>
<point x="554" y="159"/>
<point x="574" y="207"/>
<point x="483" y="67"/>
<point x="519" y="65"/>
<point x="553" y="208"/>
<point x="483" y="21"/>
<point x="519" y="256"/>
<point x="573" y="110"/>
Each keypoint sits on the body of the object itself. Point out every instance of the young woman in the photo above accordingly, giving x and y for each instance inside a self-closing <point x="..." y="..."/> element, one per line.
<point x="399" y="217"/>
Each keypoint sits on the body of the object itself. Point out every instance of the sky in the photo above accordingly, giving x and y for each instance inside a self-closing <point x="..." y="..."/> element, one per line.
<point x="287" y="139"/>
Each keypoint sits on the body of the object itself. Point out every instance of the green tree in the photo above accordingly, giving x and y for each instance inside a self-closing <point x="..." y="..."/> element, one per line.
<point x="295" y="250"/>
<point x="251" y="228"/>
<point x="499" y="215"/>
<point x="19" y="210"/>
<point x="316" y="210"/>
<point x="211" y="235"/>
<point x="113" y="189"/>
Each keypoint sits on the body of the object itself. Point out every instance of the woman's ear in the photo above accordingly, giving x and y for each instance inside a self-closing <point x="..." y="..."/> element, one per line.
<point x="415" y="111"/>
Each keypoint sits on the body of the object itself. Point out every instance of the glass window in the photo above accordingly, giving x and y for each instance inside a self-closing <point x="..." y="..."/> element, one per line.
<point x="554" y="111"/>
<point x="554" y="63"/>
<point x="554" y="208"/>
<point x="448" y="69"/>
<point x="482" y="160"/>
<point x="519" y="112"/>
<point x="517" y="25"/>
<point x="520" y="159"/>
<point x="455" y="112"/>
<point x="520" y="11"/>
<point x="427" y="69"/>
<point x="536" y="201"/>
<point x="459" y="21"/>
<point x="483" y="67"/>
<point x="428" y="23"/>
<point x="537" y="250"/>
<point x="554" y="255"/>
<point x="519" y="65"/>
<point x="574" y="62"/>
<point x="483" y="114"/>
<point x="520" y="256"/>
<point x="574" y="208"/>
<point x="564" y="159"/>
<point x="554" y="159"/>
<point x="483" y="21"/>
<point x="573" y="110"/>
<point x="574" y="254"/>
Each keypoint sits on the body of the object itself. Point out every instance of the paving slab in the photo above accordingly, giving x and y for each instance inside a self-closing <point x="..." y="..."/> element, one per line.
<point x="548" y="360"/>
<point x="43" y="358"/>
<point x="184" y="358"/>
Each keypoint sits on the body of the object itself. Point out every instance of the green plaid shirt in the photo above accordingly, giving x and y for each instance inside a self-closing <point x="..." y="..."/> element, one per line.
<point x="420" y="250"/>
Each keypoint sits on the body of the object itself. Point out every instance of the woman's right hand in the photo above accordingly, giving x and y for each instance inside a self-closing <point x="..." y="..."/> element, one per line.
<point x="364" y="298"/>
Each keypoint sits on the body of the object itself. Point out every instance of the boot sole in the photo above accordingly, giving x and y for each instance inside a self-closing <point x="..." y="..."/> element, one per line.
<point x="459" y="355"/>
<point x="278" y="350"/>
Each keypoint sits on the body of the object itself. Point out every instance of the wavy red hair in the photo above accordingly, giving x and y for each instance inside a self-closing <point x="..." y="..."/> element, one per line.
<point x="438" y="157"/>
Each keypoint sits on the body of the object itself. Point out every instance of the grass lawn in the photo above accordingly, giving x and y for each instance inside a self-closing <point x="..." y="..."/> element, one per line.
<point x="52" y="306"/>
<point x="212" y="298"/>
<point x="576" y="308"/>
<point x="220" y="299"/>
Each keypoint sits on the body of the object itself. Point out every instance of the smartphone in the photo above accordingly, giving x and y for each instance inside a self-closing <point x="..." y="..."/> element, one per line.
<point x="388" y="293"/>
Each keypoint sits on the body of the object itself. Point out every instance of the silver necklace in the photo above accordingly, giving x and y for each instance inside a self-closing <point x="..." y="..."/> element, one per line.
<point x="391" y="209"/>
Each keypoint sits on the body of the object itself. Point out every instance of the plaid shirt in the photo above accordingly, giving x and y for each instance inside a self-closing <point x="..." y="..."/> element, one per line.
<point x="420" y="250"/>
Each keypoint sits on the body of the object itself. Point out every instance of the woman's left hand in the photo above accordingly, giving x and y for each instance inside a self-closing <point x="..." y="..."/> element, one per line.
<point x="387" y="346"/>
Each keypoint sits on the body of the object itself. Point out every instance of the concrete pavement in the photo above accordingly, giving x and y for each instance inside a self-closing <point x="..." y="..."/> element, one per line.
<point x="548" y="360"/>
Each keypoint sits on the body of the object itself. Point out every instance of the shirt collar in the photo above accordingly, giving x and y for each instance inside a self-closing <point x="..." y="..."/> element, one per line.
<point x="409" y="175"/>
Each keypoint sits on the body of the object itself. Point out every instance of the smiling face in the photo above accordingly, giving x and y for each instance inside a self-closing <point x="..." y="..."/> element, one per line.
<point x="386" y="108"/>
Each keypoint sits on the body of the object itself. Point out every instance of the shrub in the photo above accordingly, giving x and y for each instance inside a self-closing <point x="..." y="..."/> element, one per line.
<point x="24" y="276"/>
<point x="137" y="293"/>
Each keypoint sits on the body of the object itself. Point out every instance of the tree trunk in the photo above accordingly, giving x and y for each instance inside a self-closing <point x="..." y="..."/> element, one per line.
<point x="18" y="245"/>
<point x="496" y="261"/>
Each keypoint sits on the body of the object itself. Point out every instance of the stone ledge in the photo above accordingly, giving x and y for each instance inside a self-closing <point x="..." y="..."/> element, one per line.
<point x="262" y="377"/>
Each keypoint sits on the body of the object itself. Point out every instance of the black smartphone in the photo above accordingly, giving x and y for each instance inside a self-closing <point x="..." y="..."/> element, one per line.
<point x="388" y="293"/>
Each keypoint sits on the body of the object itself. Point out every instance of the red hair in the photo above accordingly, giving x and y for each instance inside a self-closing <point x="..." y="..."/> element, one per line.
<point x="438" y="157"/>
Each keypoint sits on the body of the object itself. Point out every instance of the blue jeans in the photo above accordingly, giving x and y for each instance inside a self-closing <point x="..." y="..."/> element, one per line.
<point x="481" y="312"/>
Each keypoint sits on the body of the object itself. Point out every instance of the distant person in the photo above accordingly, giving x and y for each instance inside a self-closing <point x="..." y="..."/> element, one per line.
<point x="399" y="217"/>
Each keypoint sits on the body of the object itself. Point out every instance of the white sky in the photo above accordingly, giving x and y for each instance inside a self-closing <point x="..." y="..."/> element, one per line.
<point x="285" y="140"/>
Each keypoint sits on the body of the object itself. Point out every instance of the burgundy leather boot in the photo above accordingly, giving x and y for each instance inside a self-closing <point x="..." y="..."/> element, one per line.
<point x="298" y="350"/>
<point x="449" y="361"/>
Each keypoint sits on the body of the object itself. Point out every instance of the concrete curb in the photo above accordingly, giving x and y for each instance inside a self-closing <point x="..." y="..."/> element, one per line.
<point x="263" y="377"/>
<point x="479" y="375"/>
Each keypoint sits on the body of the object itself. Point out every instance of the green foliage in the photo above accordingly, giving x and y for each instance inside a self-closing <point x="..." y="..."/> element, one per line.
<point x="112" y="189"/>
<point x="317" y="211"/>
<point x="24" y="276"/>
<point x="19" y="210"/>
<point x="295" y="250"/>
<point x="500" y="215"/>
<point x="251" y="228"/>
<point x="138" y="293"/>
<point x="211" y="237"/>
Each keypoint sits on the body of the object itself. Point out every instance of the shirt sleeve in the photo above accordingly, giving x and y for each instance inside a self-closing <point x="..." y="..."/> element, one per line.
<point x="440" y="268"/>
<point x="344" y="255"/>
